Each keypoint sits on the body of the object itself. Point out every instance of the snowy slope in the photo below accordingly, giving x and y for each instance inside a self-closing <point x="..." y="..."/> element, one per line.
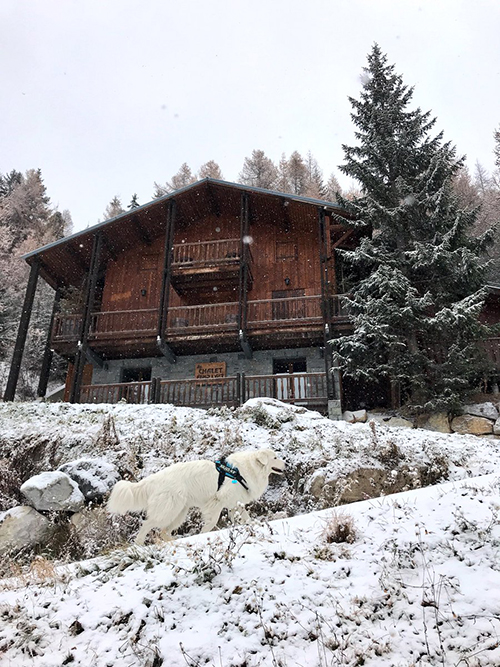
<point x="418" y="585"/>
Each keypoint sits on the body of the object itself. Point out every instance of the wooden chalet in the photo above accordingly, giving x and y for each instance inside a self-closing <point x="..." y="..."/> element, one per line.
<point x="208" y="296"/>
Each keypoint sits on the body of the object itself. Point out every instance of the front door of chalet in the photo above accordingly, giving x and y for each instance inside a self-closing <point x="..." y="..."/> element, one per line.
<point x="290" y="383"/>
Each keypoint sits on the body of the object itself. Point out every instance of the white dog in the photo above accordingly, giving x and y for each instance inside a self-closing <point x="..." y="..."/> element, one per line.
<point x="168" y="495"/>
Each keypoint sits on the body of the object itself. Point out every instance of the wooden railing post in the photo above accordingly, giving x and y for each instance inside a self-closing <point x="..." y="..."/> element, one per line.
<point x="17" y="356"/>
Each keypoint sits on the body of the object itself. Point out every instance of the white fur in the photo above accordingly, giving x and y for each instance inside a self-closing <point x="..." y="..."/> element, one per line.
<point x="168" y="495"/>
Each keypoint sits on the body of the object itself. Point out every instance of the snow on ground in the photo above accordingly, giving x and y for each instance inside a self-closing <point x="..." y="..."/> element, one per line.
<point x="143" y="439"/>
<point x="417" y="585"/>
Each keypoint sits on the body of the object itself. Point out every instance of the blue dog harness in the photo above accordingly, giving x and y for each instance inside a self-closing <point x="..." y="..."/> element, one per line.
<point x="225" y="469"/>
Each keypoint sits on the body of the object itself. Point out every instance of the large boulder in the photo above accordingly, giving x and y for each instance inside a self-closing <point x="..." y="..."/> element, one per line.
<point x="468" y="424"/>
<point x="22" y="527"/>
<point x="53" y="491"/>
<point x="95" y="477"/>
<point x="487" y="410"/>
<point x="434" y="422"/>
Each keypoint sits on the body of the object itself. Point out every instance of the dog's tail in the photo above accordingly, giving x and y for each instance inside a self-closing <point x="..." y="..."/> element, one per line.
<point x="128" y="497"/>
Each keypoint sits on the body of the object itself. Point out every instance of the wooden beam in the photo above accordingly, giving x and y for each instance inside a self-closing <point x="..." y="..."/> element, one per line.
<point x="110" y="249"/>
<point x="141" y="232"/>
<point x="243" y="274"/>
<point x="343" y="238"/>
<point x="166" y="350"/>
<point x="48" y="352"/>
<point x="166" y="280"/>
<point x="81" y="355"/>
<point x="76" y="256"/>
<point x="17" y="356"/>
<point x="214" y="202"/>
<point x="96" y="359"/>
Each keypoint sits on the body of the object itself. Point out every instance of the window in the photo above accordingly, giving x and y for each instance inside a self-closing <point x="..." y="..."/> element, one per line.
<point x="286" y="251"/>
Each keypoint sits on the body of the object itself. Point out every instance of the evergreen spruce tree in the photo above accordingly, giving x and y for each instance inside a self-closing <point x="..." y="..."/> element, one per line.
<point x="133" y="202"/>
<point x="419" y="274"/>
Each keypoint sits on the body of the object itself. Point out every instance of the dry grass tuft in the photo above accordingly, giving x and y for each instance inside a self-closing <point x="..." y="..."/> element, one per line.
<point x="340" y="529"/>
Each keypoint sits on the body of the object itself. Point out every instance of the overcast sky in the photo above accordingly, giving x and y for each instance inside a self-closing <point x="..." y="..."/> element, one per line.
<point x="108" y="96"/>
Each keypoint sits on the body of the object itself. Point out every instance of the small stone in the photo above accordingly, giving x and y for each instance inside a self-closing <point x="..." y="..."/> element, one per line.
<point x="348" y="417"/>
<point x="360" y="416"/>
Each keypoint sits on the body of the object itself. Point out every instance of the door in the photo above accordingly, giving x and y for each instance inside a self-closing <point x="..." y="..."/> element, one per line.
<point x="286" y="386"/>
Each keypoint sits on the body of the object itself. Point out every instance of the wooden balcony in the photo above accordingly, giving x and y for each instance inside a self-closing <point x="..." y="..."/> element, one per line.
<point x="307" y="389"/>
<point x="278" y="322"/>
<point x="203" y="265"/>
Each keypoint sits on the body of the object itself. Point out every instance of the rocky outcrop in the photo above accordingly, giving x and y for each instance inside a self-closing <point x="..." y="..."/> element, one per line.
<point x="22" y="527"/>
<point x="468" y="424"/>
<point x="53" y="491"/>
<point x="360" y="484"/>
<point x="487" y="410"/>
<point x="438" y="422"/>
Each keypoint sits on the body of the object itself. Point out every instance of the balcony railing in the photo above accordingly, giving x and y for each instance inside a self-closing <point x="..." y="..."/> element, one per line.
<point x="210" y="317"/>
<point x="200" y="393"/>
<point x="284" y="309"/>
<point x="202" y="316"/>
<point x="206" y="253"/>
<point x="130" y="392"/>
<point x="299" y="388"/>
<point x="124" y="321"/>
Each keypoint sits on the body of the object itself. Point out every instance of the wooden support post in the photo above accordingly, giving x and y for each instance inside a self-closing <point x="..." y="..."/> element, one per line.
<point x="165" y="287"/>
<point x="243" y="389"/>
<point x="243" y="282"/>
<point x="81" y="355"/>
<point x="17" y="356"/>
<point x="48" y="352"/>
<point x="326" y="307"/>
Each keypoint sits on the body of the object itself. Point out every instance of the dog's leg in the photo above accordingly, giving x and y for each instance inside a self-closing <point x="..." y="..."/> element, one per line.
<point x="210" y="516"/>
<point x="148" y="525"/>
<point x="166" y="532"/>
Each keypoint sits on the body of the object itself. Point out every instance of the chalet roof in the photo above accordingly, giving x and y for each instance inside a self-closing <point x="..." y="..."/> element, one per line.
<point x="65" y="261"/>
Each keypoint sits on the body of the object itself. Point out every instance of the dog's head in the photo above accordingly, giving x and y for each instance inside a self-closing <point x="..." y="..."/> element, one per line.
<point x="268" y="460"/>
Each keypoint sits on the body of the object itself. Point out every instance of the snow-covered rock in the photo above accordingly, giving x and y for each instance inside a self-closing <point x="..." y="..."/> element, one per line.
<point x="487" y="410"/>
<point x="355" y="416"/>
<point x="21" y="527"/>
<point x="53" y="491"/>
<point x="95" y="477"/>
<point x="473" y="425"/>
<point x="496" y="427"/>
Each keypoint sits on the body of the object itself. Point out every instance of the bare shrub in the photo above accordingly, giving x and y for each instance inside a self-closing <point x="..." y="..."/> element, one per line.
<point x="93" y="531"/>
<point x="340" y="529"/>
